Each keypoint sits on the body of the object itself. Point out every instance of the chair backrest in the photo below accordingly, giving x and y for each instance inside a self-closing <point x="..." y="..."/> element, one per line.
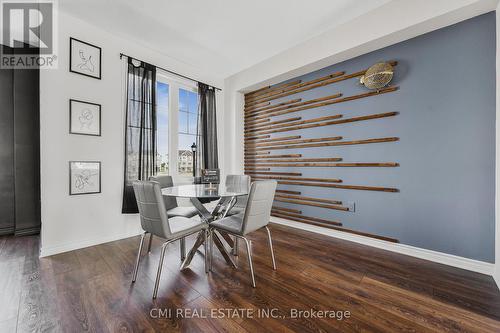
<point x="165" y="181"/>
<point x="260" y="202"/>
<point x="238" y="183"/>
<point x="154" y="218"/>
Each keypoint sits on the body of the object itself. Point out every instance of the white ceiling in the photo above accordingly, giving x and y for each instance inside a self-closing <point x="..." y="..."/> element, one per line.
<point x="226" y="36"/>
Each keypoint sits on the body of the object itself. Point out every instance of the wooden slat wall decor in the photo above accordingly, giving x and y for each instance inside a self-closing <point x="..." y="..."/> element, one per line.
<point x="330" y="102"/>
<point x="264" y="125"/>
<point x="295" y="197"/>
<point x="290" y="91"/>
<point x="331" y="225"/>
<point x="292" y="101"/>
<point x="261" y="142"/>
<point x="327" y="144"/>
<point x="275" y="108"/>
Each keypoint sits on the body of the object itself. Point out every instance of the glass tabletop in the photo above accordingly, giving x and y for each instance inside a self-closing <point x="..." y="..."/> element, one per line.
<point x="205" y="191"/>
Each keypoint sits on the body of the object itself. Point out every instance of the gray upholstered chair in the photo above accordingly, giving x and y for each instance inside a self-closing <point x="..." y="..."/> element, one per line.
<point x="155" y="221"/>
<point x="172" y="208"/>
<point x="256" y="216"/>
<point x="238" y="183"/>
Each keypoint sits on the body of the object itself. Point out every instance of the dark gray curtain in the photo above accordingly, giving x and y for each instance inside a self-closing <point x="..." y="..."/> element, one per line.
<point x="207" y="156"/>
<point x="140" y="130"/>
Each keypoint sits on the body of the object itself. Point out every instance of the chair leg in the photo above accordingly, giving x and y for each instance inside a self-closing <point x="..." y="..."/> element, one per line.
<point x="160" y="266"/>
<point x="183" y="248"/>
<point x="206" y="251"/>
<point x="271" y="246"/>
<point x="134" y="276"/>
<point x="235" y="247"/>
<point x="249" y="253"/>
<point x="150" y="242"/>
<point x="211" y="247"/>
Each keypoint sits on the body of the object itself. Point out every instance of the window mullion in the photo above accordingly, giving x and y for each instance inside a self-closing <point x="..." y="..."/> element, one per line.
<point x="174" y="129"/>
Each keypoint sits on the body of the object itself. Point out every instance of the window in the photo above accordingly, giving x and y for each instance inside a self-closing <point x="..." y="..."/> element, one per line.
<point x="162" y="107"/>
<point x="177" y="120"/>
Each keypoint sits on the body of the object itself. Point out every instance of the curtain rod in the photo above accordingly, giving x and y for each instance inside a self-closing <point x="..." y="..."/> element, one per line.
<point x="169" y="71"/>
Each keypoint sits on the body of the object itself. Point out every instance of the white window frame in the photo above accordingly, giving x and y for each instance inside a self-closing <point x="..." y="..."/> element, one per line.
<point x="174" y="84"/>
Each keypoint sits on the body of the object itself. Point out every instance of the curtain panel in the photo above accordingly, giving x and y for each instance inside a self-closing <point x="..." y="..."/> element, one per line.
<point x="140" y="130"/>
<point x="207" y="156"/>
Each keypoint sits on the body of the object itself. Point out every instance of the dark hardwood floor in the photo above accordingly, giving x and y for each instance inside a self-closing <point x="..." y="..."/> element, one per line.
<point x="90" y="289"/>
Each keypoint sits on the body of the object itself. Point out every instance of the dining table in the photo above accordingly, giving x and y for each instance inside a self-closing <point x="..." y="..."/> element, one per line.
<point x="226" y="196"/>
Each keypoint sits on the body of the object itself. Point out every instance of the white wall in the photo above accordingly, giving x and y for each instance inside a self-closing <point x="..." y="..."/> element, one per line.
<point x="70" y="222"/>
<point x="389" y="24"/>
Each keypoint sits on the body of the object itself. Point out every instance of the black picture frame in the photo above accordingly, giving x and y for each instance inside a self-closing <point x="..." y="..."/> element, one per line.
<point x="71" y="40"/>
<point x="71" y="131"/>
<point x="70" y="163"/>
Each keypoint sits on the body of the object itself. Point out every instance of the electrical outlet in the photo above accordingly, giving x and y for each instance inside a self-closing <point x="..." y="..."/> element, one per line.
<point x="351" y="205"/>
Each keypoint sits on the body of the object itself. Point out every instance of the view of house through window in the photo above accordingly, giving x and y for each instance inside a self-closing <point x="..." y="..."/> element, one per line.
<point x="188" y="120"/>
<point x="176" y="125"/>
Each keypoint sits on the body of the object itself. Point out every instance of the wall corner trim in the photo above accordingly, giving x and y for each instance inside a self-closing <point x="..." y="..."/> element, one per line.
<point x="439" y="257"/>
<point x="65" y="247"/>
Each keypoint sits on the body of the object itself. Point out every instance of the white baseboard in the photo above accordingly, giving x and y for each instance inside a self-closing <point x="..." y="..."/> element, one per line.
<point x="496" y="275"/>
<point x="439" y="257"/>
<point x="50" y="251"/>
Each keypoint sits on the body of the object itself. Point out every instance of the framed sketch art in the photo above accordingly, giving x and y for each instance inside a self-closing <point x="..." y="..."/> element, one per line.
<point x="84" y="118"/>
<point x="84" y="177"/>
<point x="84" y="58"/>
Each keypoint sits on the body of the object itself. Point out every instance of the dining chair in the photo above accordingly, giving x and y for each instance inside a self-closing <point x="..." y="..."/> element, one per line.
<point x="172" y="208"/>
<point x="155" y="221"/>
<point x="238" y="183"/>
<point x="256" y="216"/>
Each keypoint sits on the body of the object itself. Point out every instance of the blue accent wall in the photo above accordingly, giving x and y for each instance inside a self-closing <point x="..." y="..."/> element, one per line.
<point x="446" y="150"/>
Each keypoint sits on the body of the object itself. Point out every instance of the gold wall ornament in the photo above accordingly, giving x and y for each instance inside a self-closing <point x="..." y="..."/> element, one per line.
<point x="377" y="76"/>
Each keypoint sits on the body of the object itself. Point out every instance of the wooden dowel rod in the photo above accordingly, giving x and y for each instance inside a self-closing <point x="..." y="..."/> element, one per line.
<point x="288" y="192"/>
<point x="275" y="156"/>
<point x="287" y="209"/>
<point x="258" y="137"/>
<point x="314" y="204"/>
<point x="336" y="122"/>
<point x="257" y="169"/>
<point x="294" y="89"/>
<point x="253" y="123"/>
<point x="330" y="226"/>
<point x="339" y="186"/>
<point x="252" y="128"/>
<point x="291" y="137"/>
<point x="323" y="165"/>
<point x="259" y="105"/>
<point x="254" y="99"/>
<point x="331" y="144"/>
<point x="272" y="107"/>
<point x="333" y="202"/>
<point x="248" y="153"/>
<point x="333" y="159"/>
<point x="272" y="88"/>
<point x="276" y="173"/>
<point x="321" y="180"/>
<point x="315" y="219"/>
<point x="292" y="142"/>
<point x="335" y="101"/>
<point x="270" y="126"/>
<point x="249" y="115"/>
